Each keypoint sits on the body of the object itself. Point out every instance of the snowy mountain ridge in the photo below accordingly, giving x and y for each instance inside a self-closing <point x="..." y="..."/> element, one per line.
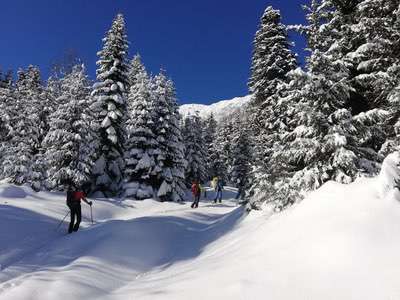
<point x="220" y="109"/>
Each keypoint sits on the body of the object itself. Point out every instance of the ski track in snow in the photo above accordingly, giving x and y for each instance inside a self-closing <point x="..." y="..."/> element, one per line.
<point x="41" y="254"/>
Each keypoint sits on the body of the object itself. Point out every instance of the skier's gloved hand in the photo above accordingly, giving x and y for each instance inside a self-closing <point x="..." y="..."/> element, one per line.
<point x="90" y="203"/>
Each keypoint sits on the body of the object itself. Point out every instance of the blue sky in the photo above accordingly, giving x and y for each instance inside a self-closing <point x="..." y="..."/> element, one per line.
<point x="205" y="45"/>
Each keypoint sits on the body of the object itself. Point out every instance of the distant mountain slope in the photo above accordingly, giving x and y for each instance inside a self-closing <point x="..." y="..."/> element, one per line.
<point x="220" y="109"/>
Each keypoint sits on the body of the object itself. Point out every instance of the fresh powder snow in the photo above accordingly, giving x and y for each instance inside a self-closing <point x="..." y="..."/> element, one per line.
<point x="341" y="242"/>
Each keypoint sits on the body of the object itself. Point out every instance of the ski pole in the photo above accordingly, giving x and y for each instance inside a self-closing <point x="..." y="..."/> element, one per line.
<point x="62" y="221"/>
<point x="91" y="214"/>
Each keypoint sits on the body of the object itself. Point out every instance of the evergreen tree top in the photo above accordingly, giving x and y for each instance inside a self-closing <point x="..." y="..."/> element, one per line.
<point x="272" y="56"/>
<point x="6" y="80"/>
<point x="112" y="62"/>
<point x="271" y="28"/>
<point x="137" y="63"/>
<point x="271" y="15"/>
<point x="29" y="80"/>
<point x="76" y="83"/>
<point x="136" y="69"/>
<point x="163" y="86"/>
<point x="161" y="76"/>
<point x="318" y="14"/>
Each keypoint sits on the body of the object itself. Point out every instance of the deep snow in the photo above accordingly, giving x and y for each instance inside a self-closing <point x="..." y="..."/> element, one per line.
<point x="341" y="242"/>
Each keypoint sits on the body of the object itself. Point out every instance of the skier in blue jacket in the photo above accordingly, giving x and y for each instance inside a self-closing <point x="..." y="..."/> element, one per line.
<point x="218" y="188"/>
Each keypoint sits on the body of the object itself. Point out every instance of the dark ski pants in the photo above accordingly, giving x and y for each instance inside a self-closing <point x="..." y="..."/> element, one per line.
<point x="195" y="204"/>
<point x="76" y="210"/>
<point x="239" y="194"/>
<point x="218" y="196"/>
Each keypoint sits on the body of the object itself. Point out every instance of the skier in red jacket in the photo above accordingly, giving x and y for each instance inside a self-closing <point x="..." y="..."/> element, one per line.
<point x="196" y="191"/>
<point x="74" y="203"/>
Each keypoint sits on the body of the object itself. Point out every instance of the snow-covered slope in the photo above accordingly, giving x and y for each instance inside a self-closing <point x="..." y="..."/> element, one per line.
<point x="220" y="109"/>
<point x="342" y="242"/>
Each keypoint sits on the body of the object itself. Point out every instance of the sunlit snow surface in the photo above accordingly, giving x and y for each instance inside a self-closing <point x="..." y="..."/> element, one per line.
<point x="342" y="242"/>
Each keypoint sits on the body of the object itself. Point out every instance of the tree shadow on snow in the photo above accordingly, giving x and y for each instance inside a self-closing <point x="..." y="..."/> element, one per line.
<point x="13" y="191"/>
<point x="212" y="204"/>
<point x="139" y="244"/>
<point x="23" y="231"/>
<point x="116" y="202"/>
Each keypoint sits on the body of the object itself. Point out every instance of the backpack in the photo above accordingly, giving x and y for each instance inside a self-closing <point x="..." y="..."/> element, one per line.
<point x="79" y="196"/>
<point x="195" y="189"/>
<point x="214" y="182"/>
<point x="220" y="185"/>
<point x="70" y="197"/>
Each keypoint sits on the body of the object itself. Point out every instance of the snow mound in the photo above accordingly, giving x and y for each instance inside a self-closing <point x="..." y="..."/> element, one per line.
<point x="389" y="177"/>
<point x="220" y="109"/>
<point x="341" y="242"/>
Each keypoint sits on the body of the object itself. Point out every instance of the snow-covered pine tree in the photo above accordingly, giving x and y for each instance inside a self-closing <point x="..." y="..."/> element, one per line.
<point x="141" y="143"/>
<point x="6" y="100"/>
<point x="60" y="68"/>
<point x="217" y="159"/>
<point x="161" y="130"/>
<point x="110" y="109"/>
<point x="393" y="141"/>
<point x="240" y="173"/>
<point x="272" y="57"/>
<point x="210" y="130"/>
<point x="51" y="92"/>
<point x="323" y="140"/>
<point x="320" y="144"/>
<point x="272" y="61"/>
<point x="221" y="158"/>
<point x="333" y="131"/>
<point x="31" y="88"/>
<point x="27" y="125"/>
<point x="392" y="125"/>
<point x="176" y="146"/>
<point x="45" y="106"/>
<point x="53" y="89"/>
<point x="136" y="68"/>
<point x="375" y="59"/>
<point x="323" y="25"/>
<point x="195" y="145"/>
<point x="170" y="163"/>
<point x="369" y="42"/>
<point x="6" y="89"/>
<point x="363" y="35"/>
<point x="6" y="80"/>
<point x="70" y="143"/>
<point x="38" y="171"/>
